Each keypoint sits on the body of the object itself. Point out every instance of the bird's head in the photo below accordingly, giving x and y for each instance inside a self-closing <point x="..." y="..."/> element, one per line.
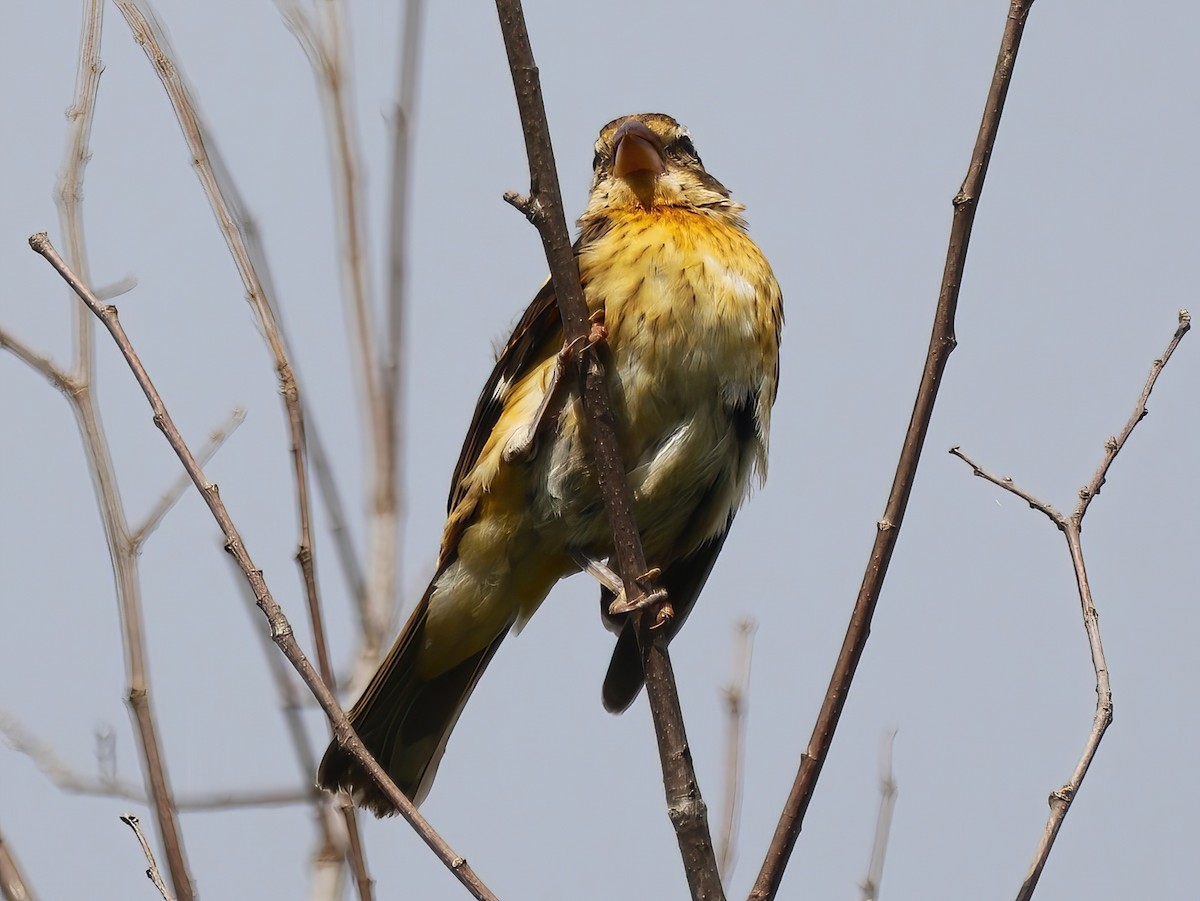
<point x="648" y="161"/>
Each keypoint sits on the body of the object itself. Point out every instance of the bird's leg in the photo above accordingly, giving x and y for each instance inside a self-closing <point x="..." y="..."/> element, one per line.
<point x="522" y="446"/>
<point x="650" y="596"/>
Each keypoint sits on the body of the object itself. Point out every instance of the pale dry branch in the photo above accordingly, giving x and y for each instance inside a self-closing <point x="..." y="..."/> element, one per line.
<point x="883" y="822"/>
<point x="323" y="34"/>
<point x="152" y="870"/>
<point x="77" y="388"/>
<point x="171" y="496"/>
<point x="735" y="745"/>
<point x="544" y="209"/>
<point x="280" y="629"/>
<point x="227" y="205"/>
<point x="106" y="784"/>
<point x="13" y="884"/>
<point x="941" y="344"/>
<point x="1071" y="526"/>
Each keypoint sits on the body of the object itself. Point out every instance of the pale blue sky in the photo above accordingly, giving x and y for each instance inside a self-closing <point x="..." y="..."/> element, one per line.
<point x="845" y="129"/>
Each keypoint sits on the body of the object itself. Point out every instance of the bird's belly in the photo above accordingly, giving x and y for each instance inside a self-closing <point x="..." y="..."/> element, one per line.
<point x="684" y="416"/>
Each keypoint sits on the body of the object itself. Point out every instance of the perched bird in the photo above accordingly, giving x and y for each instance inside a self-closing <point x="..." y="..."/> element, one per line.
<point x="692" y="315"/>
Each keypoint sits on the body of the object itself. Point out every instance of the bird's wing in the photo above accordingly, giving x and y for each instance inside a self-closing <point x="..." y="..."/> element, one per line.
<point x="537" y="335"/>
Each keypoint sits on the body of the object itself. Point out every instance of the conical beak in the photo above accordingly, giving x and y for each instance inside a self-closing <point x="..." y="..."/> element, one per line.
<point x="638" y="151"/>
<point x="638" y="160"/>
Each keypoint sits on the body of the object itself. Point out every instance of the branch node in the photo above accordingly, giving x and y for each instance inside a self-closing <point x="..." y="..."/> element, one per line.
<point x="530" y="207"/>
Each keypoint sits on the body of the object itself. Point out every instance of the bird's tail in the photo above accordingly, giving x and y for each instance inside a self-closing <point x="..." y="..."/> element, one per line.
<point x="404" y="719"/>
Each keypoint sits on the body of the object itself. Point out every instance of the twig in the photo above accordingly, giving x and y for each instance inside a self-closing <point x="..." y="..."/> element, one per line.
<point x="544" y="208"/>
<point x="77" y="389"/>
<point x="1071" y="527"/>
<point x="107" y="785"/>
<point x="735" y="741"/>
<point x="883" y="823"/>
<point x="152" y="871"/>
<point x="172" y="495"/>
<point x="403" y="118"/>
<point x="227" y="205"/>
<point x="281" y="629"/>
<point x="13" y="885"/>
<point x="324" y="37"/>
<point x="941" y="343"/>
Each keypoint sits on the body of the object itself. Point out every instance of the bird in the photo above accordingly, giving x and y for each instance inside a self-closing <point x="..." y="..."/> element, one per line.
<point x="688" y="315"/>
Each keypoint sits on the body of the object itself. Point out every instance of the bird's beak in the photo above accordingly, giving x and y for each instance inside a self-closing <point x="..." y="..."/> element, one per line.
<point x="639" y="159"/>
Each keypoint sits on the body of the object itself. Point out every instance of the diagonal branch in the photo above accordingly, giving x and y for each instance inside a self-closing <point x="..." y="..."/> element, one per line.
<point x="941" y="343"/>
<point x="281" y="629"/>
<point x="77" y="388"/>
<point x="323" y="35"/>
<point x="172" y="495"/>
<point x="108" y="785"/>
<point x="229" y="209"/>
<point x="544" y="208"/>
<point x="13" y="884"/>
<point x="1071" y="526"/>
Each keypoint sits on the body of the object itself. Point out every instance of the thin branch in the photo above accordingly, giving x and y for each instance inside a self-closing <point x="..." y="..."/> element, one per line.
<point x="883" y="823"/>
<point x="735" y="745"/>
<point x="122" y="552"/>
<point x="941" y="343"/>
<point x="229" y="209"/>
<point x="39" y="363"/>
<point x="403" y="119"/>
<point x="280" y="628"/>
<point x="68" y="192"/>
<point x="1071" y="526"/>
<point x="227" y="206"/>
<point x="544" y="208"/>
<point x="13" y="884"/>
<point x="335" y="514"/>
<point x="324" y="37"/>
<point x="172" y="495"/>
<point x="108" y="785"/>
<point x="152" y="871"/>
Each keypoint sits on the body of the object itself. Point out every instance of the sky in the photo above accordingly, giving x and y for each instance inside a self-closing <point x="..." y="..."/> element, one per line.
<point x="846" y="130"/>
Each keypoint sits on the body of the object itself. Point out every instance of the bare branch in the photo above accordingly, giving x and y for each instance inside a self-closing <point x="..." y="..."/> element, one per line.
<point x="735" y="743"/>
<point x="685" y="805"/>
<point x="69" y="189"/>
<point x="121" y="550"/>
<point x="172" y="495"/>
<point x="941" y="344"/>
<point x="324" y="36"/>
<point x="242" y="242"/>
<point x="883" y="823"/>
<point x="13" y="884"/>
<point x="280" y="628"/>
<point x="1071" y="527"/>
<point x="108" y="785"/>
<point x="152" y="871"/>
<point x="40" y="364"/>
<point x="1113" y="446"/>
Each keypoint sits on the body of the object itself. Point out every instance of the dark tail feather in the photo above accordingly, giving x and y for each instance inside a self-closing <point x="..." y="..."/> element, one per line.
<point x="683" y="581"/>
<point x="404" y="720"/>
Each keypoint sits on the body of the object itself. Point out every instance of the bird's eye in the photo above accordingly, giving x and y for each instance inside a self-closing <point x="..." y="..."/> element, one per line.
<point x="596" y="161"/>
<point x="684" y="144"/>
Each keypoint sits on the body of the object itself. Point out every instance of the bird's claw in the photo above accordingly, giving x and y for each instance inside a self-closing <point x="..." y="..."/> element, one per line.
<point x="655" y="597"/>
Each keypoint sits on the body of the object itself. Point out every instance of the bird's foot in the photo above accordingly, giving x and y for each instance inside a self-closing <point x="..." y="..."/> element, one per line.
<point x="650" y="598"/>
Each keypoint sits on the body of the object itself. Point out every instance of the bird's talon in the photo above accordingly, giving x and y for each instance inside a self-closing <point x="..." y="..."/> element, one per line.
<point x="648" y="599"/>
<point x="665" y="614"/>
